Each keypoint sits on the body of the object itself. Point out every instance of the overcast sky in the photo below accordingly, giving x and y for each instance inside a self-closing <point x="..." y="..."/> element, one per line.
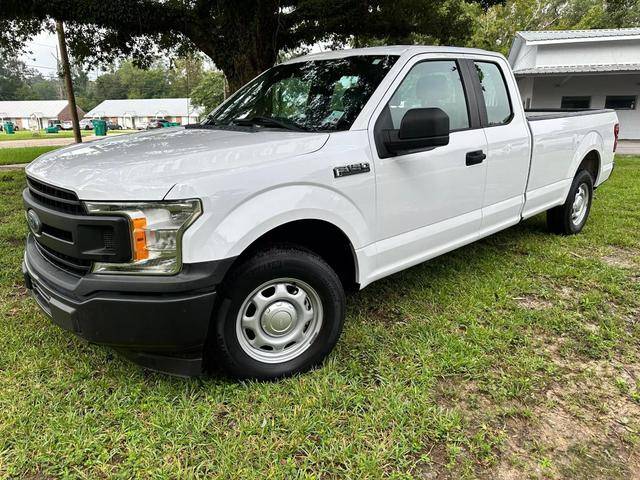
<point x="44" y="51"/>
<point x="43" y="56"/>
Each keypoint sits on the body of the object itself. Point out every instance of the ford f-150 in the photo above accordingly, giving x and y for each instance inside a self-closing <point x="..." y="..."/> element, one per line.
<point x="232" y="242"/>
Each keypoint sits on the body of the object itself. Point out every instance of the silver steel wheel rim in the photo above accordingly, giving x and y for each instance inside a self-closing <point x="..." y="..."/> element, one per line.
<point x="580" y="204"/>
<point x="279" y="320"/>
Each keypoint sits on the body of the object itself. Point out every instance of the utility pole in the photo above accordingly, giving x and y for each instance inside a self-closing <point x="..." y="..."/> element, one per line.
<point x="61" y="93"/>
<point x="66" y="72"/>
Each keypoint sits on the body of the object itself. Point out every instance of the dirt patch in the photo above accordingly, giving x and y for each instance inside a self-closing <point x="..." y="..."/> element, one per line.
<point x="585" y="426"/>
<point x="621" y="258"/>
<point x="533" y="302"/>
<point x="567" y="293"/>
<point x="386" y="315"/>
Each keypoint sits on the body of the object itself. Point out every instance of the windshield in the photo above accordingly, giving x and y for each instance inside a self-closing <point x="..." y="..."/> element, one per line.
<point x="313" y="95"/>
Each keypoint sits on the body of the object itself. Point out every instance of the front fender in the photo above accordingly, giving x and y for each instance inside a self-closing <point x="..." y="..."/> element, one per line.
<point x="213" y="238"/>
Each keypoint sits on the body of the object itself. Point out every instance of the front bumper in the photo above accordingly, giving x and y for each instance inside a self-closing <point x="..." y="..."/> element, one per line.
<point x="159" y="322"/>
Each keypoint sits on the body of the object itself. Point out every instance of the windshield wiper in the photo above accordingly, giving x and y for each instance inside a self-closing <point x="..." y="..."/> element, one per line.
<point x="270" y="122"/>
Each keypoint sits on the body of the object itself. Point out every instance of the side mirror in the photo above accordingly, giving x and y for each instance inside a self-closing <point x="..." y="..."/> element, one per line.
<point x="420" y="128"/>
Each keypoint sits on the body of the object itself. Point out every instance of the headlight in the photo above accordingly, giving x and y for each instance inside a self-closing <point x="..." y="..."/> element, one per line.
<point x="156" y="234"/>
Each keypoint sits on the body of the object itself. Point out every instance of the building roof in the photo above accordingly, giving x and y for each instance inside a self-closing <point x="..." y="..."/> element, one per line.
<point x="146" y="107"/>
<point x="575" y="51"/>
<point x="26" y="108"/>
<point x="544" y="35"/>
<point x="560" y="69"/>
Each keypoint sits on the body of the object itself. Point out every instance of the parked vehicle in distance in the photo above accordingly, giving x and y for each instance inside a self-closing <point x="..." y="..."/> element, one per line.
<point x="113" y="126"/>
<point x="232" y="242"/>
<point x="66" y="125"/>
<point x="157" y="123"/>
<point x="86" y="124"/>
<point x="142" y="125"/>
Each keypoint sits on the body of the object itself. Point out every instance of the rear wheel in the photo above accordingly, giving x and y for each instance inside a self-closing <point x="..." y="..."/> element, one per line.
<point x="571" y="217"/>
<point x="281" y="312"/>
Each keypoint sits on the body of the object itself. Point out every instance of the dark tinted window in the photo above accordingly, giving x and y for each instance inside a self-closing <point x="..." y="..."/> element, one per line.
<point x="313" y="95"/>
<point x="575" y="102"/>
<point x="621" y="102"/>
<point x="495" y="93"/>
<point x="432" y="84"/>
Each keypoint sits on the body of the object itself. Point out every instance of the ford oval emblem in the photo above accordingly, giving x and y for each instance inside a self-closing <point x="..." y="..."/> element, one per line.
<point x="34" y="222"/>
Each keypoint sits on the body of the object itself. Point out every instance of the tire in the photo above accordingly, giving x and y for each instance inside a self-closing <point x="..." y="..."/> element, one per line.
<point x="280" y="312"/>
<point x="571" y="217"/>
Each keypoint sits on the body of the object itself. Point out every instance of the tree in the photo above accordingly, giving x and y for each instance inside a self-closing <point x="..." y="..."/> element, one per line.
<point x="495" y="28"/>
<point x="242" y="37"/>
<point x="185" y="74"/>
<point x="209" y="93"/>
<point x="13" y="75"/>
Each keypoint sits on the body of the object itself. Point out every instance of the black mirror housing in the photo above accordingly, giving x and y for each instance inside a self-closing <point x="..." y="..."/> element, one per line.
<point x="420" y="128"/>
<point x="424" y="123"/>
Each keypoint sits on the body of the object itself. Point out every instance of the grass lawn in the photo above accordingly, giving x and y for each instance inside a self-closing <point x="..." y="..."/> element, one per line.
<point x="29" y="135"/>
<point x="22" y="155"/>
<point x="515" y="357"/>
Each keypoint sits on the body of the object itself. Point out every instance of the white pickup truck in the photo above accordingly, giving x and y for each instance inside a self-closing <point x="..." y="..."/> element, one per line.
<point x="232" y="242"/>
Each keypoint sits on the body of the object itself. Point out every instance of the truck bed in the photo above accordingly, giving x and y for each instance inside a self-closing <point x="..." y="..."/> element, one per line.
<point x="561" y="139"/>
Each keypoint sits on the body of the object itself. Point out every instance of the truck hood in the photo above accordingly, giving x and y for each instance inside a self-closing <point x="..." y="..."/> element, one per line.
<point x="145" y="166"/>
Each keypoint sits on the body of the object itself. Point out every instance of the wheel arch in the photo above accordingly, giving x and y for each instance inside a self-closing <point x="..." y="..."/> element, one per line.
<point x="310" y="215"/>
<point x="592" y="163"/>
<point x="588" y="156"/>
<point x="324" y="238"/>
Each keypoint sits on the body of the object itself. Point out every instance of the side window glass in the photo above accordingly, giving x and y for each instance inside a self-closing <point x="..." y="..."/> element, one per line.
<point x="432" y="84"/>
<point x="496" y="96"/>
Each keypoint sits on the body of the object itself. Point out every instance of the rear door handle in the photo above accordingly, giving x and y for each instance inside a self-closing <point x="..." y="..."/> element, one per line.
<point x="475" y="157"/>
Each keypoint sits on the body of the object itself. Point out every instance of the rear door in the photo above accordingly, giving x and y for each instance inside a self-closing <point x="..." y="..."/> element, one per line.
<point x="508" y="143"/>
<point x="428" y="201"/>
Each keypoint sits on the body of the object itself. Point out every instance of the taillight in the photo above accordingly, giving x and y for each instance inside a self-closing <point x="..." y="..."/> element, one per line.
<point x="616" y="131"/>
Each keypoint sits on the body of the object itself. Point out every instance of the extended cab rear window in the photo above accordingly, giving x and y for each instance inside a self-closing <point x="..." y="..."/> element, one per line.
<point x="495" y="93"/>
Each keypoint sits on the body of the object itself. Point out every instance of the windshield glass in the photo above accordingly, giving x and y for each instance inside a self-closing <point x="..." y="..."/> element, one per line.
<point x="313" y="95"/>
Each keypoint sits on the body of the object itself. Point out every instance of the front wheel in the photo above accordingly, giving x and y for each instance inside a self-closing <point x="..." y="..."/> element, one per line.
<point x="281" y="312"/>
<point x="571" y="217"/>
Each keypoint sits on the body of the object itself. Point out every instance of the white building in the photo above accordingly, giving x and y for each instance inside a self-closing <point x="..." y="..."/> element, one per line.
<point x="35" y="114"/>
<point x="581" y="69"/>
<point x="131" y="113"/>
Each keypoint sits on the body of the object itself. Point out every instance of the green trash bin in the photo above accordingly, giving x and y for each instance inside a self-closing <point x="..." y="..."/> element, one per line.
<point x="99" y="128"/>
<point x="8" y="128"/>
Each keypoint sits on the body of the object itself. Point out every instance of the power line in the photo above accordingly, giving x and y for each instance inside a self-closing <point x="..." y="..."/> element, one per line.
<point x="41" y="66"/>
<point x="43" y="45"/>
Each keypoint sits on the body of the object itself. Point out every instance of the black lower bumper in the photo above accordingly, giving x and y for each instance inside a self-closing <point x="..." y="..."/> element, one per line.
<point x="160" y="322"/>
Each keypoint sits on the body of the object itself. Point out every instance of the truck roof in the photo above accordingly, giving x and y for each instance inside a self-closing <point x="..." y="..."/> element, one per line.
<point x="392" y="50"/>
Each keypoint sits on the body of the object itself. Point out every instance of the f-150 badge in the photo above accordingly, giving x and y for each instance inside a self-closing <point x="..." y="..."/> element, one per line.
<point x="351" y="169"/>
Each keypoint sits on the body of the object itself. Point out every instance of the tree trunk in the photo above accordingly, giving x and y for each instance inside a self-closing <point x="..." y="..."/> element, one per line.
<point x="250" y="40"/>
<point x="66" y="72"/>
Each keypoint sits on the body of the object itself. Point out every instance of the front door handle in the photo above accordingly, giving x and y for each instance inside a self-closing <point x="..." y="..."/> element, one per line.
<point x="475" y="157"/>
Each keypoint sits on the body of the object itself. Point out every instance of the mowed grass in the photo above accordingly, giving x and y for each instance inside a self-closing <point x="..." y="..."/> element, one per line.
<point x="41" y="135"/>
<point x="515" y="357"/>
<point x="10" y="156"/>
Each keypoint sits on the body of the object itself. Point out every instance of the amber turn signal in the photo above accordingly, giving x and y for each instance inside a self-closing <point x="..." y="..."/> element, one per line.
<point x="140" y="251"/>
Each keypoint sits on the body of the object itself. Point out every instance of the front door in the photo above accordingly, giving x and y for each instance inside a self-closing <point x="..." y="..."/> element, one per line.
<point x="429" y="201"/>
